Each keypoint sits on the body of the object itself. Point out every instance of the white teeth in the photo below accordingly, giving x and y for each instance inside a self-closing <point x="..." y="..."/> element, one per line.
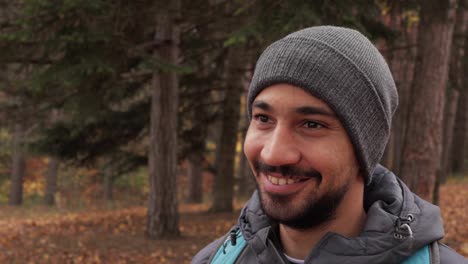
<point x="275" y="180"/>
<point x="281" y="181"/>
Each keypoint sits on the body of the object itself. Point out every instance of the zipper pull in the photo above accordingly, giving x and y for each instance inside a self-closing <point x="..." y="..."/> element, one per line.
<point x="233" y="235"/>
<point x="402" y="227"/>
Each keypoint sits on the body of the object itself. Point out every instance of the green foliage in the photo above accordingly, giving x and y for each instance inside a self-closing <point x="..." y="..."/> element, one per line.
<point x="138" y="181"/>
<point x="93" y="60"/>
<point x="238" y="37"/>
<point x="4" y="191"/>
<point x="5" y="153"/>
<point x="103" y="133"/>
<point x="83" y="49"/>
<point x="271" y="20"/>
<point x="153" y="64"/>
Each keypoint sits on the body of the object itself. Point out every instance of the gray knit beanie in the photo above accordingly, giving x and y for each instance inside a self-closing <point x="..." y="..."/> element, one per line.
<point x="341" y="67"/>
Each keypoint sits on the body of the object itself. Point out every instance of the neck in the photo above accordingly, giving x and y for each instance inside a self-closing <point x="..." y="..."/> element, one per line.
<point x="349" y="221"/>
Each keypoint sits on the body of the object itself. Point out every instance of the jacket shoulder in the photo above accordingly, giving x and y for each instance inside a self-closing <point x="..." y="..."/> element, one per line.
<point x="203" y="256"/>
<point x="450" y="256"/>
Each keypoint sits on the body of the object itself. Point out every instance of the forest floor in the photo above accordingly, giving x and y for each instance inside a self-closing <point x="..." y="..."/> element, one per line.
<point x="45" y="235"/>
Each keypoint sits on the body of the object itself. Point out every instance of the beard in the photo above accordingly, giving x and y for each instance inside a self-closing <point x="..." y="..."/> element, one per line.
<point x="296" y="212"/>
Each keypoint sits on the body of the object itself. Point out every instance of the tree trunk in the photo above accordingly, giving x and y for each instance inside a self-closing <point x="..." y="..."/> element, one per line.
<point x="53" y="165"/>
<point x="449" y="120"/>
<point x="18" y="167"/>
<point x="198" y="135"/>
<point x="402" y="56"/>
<point x="460" y="135"/>
<point x="163" y="218"/>
<point x="453" y="152"/>
<point x="246" y="179"/>
<point x="223" y="186"/>
<point x="449" y="123"/>
<point x="51" y="181"/>
<point x="194" y="175"/>
<point x="421" y="153"/>
<point x="108" y="183"/>
<point x="460" y="138"/>
<point x="242" y="183"/>
<point x="247" y="184"/>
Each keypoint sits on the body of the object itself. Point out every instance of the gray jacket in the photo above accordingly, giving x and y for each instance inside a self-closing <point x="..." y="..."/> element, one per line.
<point x="386" y="237"/>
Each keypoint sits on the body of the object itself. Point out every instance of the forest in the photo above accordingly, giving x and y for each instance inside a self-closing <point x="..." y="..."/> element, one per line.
<point x="122" y="122"/>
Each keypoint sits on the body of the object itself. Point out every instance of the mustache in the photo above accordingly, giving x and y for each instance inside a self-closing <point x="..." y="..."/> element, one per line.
<point x="286" y="170"/>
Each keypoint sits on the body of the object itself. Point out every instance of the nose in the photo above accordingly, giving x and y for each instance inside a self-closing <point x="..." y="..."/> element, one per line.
<point x="281" y="148"/>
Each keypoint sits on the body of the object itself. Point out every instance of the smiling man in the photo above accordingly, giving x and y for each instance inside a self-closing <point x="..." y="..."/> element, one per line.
<point x="320" y="105"/>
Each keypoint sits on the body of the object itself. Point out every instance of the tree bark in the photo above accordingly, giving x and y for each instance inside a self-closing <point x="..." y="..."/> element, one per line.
<point x="449" y="120"/>
<point x="242" y="183"/>
<point x="163" y="218"/>
<point x="108" y="183"/>
<point x="460" y="140"/>
<point x="18" y="167"/>
<point x="53" y="165"/>
<point x="246" y="179"/>
<point x="223" y="187"/>
<point x="422" y="149"/>
<point x="51" y="181"/>
<point x="459" y="155"/>
<point x="198" y="135"/>
<point x="401" y="62"/>
<point x="194" y="175"/>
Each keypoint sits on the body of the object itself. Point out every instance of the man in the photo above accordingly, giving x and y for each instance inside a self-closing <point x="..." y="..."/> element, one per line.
<point x="320" y="105"/>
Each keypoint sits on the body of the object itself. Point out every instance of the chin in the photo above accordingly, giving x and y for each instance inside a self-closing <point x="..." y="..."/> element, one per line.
<point x="302" y="212"/>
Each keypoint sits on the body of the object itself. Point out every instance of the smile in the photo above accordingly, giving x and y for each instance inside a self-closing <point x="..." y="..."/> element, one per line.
<point x="275" y="183"/>
<point x="283" y="181"/>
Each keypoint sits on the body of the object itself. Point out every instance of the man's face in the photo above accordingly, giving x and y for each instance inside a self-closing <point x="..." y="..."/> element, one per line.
<point x="301" y="156"/>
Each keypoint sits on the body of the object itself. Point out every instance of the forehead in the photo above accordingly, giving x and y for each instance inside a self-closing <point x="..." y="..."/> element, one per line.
<point x="288" y="96"/>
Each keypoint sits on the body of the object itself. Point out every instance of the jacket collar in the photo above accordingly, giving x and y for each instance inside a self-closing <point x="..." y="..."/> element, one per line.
<point x="398" y="223"/>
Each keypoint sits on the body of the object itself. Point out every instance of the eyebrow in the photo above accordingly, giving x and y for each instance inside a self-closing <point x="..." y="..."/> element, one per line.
<point x="303" y="110"/>
<point x="261" y="105"/>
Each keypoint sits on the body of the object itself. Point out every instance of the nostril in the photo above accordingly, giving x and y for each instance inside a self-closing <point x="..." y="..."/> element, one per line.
<point x="280" y="148"/>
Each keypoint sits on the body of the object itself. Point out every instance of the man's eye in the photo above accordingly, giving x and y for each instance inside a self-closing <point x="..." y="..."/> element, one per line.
<point x="262" y="118"/>
<point x="312" y="124"/>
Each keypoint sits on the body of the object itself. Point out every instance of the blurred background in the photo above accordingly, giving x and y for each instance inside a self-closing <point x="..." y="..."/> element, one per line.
<point x="122" y="122"/>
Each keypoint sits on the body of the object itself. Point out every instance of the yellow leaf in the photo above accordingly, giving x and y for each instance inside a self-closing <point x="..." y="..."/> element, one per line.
<point x="464" y="249"/>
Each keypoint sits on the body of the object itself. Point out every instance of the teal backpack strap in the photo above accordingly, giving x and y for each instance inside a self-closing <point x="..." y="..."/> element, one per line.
<point x="231" y="248"/>
<point x="422" y="256"/>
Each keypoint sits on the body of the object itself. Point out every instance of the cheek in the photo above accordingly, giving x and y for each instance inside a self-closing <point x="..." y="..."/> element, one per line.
<point x="338" y="153"/>
<point x="252" y="149"/>
<point x="342" y="161"/>
<point x="332" y="157"/>
<point x="251" y="146"/>
<point x="345" y="153"/>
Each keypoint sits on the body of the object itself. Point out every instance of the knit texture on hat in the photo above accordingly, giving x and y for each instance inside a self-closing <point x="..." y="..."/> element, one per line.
<point x="341" y="67"/>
